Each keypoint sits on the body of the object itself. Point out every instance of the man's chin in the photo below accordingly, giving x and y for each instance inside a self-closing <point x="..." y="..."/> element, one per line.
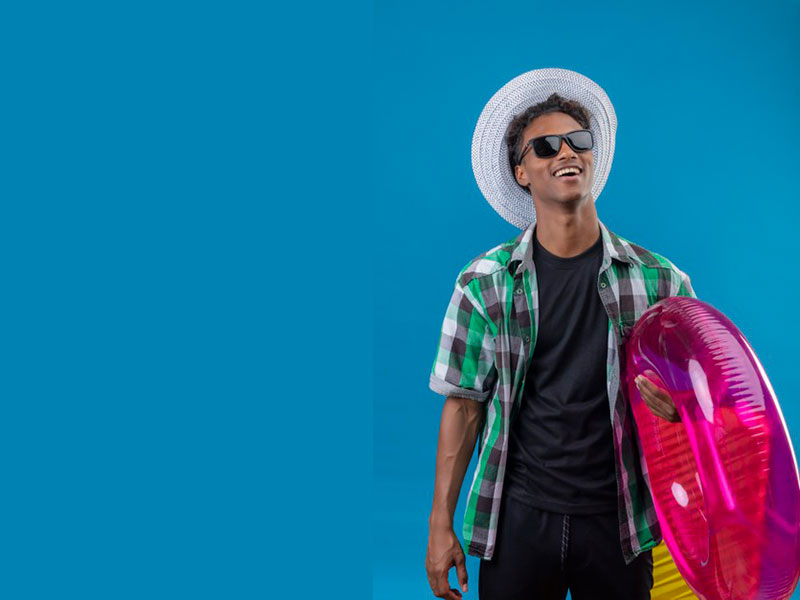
<point x="576" y="197"/>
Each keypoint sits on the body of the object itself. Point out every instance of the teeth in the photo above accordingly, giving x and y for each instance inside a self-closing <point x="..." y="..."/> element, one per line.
<point x="561" y="172"/>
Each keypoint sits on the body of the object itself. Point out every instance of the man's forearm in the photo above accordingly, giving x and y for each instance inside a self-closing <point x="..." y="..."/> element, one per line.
<point x="461" y="422"/>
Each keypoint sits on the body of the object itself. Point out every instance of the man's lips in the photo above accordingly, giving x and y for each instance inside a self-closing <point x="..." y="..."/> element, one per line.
<point x="570" y="177"/>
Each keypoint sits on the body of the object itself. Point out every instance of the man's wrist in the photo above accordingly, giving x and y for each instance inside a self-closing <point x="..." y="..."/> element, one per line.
<point x="440" y="520"/>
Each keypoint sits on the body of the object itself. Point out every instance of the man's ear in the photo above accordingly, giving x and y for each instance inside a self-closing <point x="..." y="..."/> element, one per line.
<point x="520" y="176"/>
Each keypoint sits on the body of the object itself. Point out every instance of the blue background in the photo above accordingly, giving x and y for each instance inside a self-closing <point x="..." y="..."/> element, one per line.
<point x="177" y="414"/>
<point x="705" y="173"/>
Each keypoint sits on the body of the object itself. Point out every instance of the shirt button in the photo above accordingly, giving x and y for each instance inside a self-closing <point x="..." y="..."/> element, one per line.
<point x="518" y="291"/>
<point x="602" y="284"/>
<point x="527" y="338"/>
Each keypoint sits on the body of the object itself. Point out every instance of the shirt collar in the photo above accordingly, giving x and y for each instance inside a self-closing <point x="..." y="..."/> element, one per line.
<point x="613" y="247"/>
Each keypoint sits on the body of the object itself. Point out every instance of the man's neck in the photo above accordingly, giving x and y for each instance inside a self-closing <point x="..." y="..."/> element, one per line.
<point x="568" y="235"/>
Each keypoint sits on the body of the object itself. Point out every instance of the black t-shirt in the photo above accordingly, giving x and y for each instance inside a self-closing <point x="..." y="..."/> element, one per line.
<point x="561" y="453"/>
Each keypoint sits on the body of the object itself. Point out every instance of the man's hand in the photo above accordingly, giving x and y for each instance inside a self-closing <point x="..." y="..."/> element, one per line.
<point x="657" y="399"/>
<point x="444" y="551"/>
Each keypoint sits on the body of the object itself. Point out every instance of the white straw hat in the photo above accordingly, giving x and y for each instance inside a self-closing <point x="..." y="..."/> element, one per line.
<point x="490" y="152"/>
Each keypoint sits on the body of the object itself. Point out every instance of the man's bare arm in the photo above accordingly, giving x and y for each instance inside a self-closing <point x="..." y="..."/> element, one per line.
<point x="460" y="425"/>
<point x="462" y="419"/>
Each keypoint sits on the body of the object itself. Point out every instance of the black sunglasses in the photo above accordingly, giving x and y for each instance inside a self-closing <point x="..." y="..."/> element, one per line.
<point x="546" y="146"/>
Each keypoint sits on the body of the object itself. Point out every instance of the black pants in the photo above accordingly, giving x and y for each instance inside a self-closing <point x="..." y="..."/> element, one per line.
<point x="541" y="554"/>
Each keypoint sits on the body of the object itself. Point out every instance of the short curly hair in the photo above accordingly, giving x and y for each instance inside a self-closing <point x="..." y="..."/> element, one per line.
<point x="554" y="103"/>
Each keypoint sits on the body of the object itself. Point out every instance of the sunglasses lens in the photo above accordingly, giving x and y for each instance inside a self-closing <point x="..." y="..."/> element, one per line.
<point x="580" y="140"/>
<point x="549" y="145"/>
<point x="546" y="146"/>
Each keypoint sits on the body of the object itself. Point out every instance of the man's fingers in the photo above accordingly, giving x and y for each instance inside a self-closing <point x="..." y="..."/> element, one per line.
<point x="439" y="583"/>
<point x="447" y="592"/>
<point x="659" y="401"/>
<point x="650" y="376"/>
<point x="659" y="393"/>
<point x="441" y="587"/>
<point x="648" y="384"/>
<point x="656" y="403"/>
<point x="461" y="572"/>
<point x="654" y="400"/>
<point x="444" y="552"/>
<point x="450" y="593"/>
<point x="662" y="409"/>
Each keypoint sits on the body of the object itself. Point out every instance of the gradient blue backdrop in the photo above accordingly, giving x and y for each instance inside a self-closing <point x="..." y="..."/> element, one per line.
<point x="172" y="214"/>
<point x="705" y="172"/>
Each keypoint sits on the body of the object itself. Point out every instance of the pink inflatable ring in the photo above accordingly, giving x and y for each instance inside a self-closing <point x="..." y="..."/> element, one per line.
<point x="724" y="479"/>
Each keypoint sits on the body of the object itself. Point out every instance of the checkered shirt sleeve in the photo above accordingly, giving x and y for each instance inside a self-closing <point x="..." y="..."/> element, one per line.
<point x="685" y="288"/>
<point x="464" y="365"/>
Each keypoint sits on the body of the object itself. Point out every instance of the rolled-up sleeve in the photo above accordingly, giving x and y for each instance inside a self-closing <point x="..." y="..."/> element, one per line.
<point x="464" y="365"/>
<point x="684" y="285"/>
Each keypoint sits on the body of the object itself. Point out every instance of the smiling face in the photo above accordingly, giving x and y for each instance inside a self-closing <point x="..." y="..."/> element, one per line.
<point x="538" y="174"/>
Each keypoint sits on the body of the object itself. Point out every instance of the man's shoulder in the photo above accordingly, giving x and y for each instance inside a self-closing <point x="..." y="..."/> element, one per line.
<point x="656" y="267"/>
<point x="489" y="262"/>
<point x="649" y="259"/>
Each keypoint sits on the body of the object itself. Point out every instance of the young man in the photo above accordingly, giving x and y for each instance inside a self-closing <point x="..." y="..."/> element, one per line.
<point x="529" y="360"/>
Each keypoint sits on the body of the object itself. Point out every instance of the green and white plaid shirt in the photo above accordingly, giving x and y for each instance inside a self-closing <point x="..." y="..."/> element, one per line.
<point x="485" y="348"/>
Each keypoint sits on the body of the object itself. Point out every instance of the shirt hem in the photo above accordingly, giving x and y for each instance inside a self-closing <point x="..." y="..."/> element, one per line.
<point x="561" y="508"/>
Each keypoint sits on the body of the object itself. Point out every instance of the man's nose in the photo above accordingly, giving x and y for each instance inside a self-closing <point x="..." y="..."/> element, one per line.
<point x="565" y="150"/>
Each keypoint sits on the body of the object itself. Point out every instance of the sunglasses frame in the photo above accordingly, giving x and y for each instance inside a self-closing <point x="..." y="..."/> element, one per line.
<point x="561" y="138"/>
